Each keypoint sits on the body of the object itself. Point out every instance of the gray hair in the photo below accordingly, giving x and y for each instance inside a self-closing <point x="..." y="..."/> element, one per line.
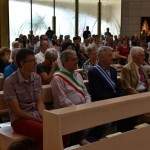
<point x="51" y="53"/>
<point x="64" y="56"/>
<point x="135" y="50"/>
<point x="103" y="49"/>
<point x="14" y="44"/>
<point x="90" y="49"/>
<point x="15" y="51"/>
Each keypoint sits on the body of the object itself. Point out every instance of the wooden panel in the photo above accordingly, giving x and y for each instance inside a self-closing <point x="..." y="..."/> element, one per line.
<point x="47" y="93"/>
<point x="1" y="82"/>
<point x="3" y="105"/>
<point x="53" y="138"/>
<point x="107" y="110"/>
<point x="2" y="101"/>
<point x="67" y="120"/>
<point x="133" y="140"/>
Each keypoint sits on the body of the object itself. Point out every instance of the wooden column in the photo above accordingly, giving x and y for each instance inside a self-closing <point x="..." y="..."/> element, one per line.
<point x="4" y="23"/>
<point x="99" y="18"/>
<point x="54" y="18"/>
<point x="76" y="16"/>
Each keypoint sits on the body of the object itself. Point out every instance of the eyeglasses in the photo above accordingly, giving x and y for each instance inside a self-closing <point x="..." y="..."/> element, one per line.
<point x="30" y="61"/>
<point x="46" y="39"/>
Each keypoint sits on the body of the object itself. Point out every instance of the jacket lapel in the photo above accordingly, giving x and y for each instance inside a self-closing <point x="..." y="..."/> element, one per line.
<point x="133" y="70"/>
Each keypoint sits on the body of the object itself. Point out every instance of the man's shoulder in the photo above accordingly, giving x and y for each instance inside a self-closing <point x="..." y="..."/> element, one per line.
<point x="35" y="75"/>
<point x="128" y="66"/>
<point x="93" y="68"/>
<point x="84" y="31"/>
<point x="38" y="54"/>
<point x="12" y="78"/>
<point x="87" y="62"/>
<point x="11" y="66"/>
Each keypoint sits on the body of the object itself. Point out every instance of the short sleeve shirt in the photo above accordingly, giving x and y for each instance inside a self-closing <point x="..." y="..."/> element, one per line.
<point x="26" y="92"/>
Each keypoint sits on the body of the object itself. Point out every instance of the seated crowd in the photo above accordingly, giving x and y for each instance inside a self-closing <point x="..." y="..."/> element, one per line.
<point x="47" y="60"/>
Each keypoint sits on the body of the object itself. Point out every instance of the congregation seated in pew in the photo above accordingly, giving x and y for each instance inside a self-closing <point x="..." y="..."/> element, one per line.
<point x="50" y="79"/>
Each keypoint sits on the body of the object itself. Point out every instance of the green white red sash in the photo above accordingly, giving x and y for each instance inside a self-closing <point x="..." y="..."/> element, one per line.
<point x="70" y="80"/>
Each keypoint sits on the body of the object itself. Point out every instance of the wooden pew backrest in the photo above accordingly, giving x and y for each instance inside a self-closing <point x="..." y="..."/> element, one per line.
<point x="47" y="93"/>
<point x="71" y="119"/>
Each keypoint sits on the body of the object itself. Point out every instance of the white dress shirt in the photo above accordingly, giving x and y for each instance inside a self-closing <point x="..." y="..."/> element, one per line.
<point x="65" y="95"/>
<point x="39" y="57"/>
<point x="140" y="86"/>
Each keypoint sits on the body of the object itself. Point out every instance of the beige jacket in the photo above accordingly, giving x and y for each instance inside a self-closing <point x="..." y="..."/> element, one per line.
<point x="129" y="78"/>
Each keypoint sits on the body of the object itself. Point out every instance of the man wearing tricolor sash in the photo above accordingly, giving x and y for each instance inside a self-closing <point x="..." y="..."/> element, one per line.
<point x="68" y="89"/>
<point x="67" y="84"/>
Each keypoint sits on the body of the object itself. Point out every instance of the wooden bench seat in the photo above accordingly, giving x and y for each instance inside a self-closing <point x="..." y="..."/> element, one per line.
<point x="8" y="136"/>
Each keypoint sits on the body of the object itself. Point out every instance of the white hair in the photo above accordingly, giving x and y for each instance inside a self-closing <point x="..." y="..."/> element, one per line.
<point x="135" y="50"/>
<point x="15" y="51"/>
<point x="103" y="49"/>
<point x="90" y="49"/>
<point x="51" y="53"/>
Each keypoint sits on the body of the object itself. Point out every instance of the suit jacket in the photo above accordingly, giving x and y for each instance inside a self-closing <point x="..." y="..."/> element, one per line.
<point x="129" y="78"/>
<point x="99" y="88"/>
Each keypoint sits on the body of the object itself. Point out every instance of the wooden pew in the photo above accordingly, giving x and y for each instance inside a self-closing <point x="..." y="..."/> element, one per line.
<point x="7" y="135"/>
<point x="3" y="105"/>
<point x="1" y="82"/>
<point x="47" y="93"/>
<point x="71" y="119"/>
<point x="117" y="66"/>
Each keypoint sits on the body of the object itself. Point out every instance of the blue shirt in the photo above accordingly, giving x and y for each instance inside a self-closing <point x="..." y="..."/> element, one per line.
<point x="9" y="70"/>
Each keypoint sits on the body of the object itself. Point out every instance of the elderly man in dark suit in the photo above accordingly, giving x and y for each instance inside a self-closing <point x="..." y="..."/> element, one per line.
<point x="103" y="83"/>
